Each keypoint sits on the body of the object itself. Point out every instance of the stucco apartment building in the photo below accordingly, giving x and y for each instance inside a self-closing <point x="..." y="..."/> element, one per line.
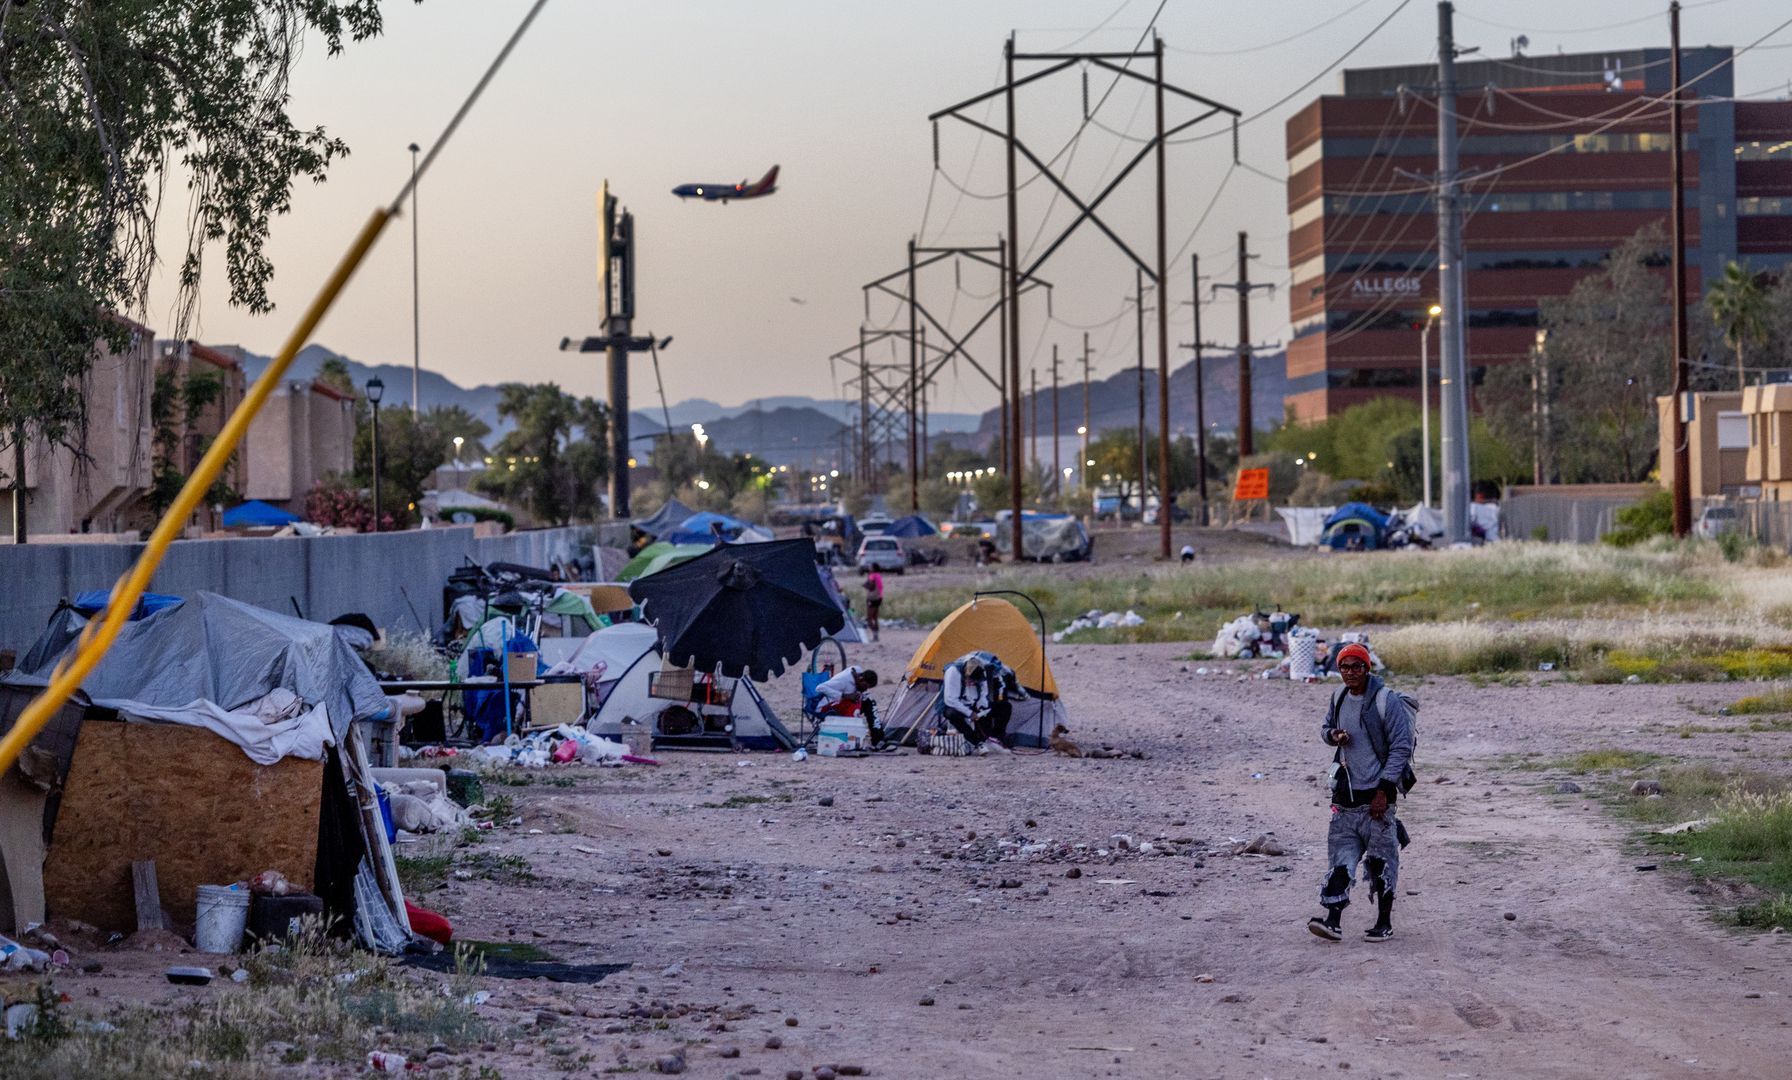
<point x="100" y="491"/>
<point x="305" y="432"/>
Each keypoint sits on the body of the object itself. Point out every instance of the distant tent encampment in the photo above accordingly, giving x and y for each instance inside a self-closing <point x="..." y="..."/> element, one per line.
<point x="708" y="528"/>
<point x="658" y="556"/>
<point x="256" y="514"/>
<point x="914" y="525"/>
<point x="986" y="624"/>
<point x="669" y="516"/>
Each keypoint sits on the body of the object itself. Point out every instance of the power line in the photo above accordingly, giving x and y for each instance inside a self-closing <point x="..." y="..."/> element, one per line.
<point x="1303" y="87"/>
<point x="1585" y="29"/>
<point x="1351" y="10"/>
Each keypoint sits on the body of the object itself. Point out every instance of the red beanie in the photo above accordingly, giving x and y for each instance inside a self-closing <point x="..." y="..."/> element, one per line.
<point x="1361" y="652"/>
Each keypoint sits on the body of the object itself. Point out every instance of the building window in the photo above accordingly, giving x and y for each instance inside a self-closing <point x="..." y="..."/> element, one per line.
<point x="1764" y="206"/>
<point x="1756" y="150"/>
<point x="1732" y="431"/>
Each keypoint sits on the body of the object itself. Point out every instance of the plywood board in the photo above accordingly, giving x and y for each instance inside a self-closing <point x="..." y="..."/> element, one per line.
<point x="189" y="800"/>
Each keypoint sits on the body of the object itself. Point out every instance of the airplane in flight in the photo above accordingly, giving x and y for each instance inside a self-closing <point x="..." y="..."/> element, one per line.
<point x="765" y="185"/>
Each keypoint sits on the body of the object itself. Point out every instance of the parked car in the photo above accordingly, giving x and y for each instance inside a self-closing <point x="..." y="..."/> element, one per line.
<point x="883" y="552"/>
<point x="872" y="524"/>
<point x="1715" y="521"/>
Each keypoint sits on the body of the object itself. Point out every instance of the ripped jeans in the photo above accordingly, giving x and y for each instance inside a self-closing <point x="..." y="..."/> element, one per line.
<point x="1354" y="837"/>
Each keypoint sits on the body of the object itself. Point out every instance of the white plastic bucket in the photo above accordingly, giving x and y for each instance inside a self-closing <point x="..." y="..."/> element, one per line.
<point x="222" y="918"/>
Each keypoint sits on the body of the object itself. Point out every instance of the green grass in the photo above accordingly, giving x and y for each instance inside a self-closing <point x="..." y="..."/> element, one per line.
<point x="1775" y="701"/>
<point x="1511" y="582"/>
<point x="423" y="873"/>
<point x="315" y="1002"/>
<point x="1606" y="760"/>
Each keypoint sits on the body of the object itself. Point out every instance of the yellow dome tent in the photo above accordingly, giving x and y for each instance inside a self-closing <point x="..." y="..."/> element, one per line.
<point x="986" y="624"/>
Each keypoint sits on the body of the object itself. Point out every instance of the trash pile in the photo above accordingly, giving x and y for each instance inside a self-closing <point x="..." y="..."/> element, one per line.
<point x="1309" y="657"/>
<point x="1260" y="634"/>
<point x="562" y="745"/>
<point x="1097" y="619"/>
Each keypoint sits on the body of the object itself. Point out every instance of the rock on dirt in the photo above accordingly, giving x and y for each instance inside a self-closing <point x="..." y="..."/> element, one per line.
<point x="1646" y="787"/>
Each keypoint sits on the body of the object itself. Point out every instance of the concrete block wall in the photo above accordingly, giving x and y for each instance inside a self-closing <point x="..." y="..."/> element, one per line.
<point x="328" y="576"/>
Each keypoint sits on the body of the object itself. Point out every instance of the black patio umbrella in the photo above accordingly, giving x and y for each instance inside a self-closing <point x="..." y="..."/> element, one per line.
<point x="750" y="609"/>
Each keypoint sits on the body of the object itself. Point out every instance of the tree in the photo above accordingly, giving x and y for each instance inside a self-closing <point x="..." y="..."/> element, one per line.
<point x="173" y="404"/>
<point x="101" y="104"/>
<point x="1738" y="305"/>
<point x="1605" y="359"/>
<point x="553" y="461"/>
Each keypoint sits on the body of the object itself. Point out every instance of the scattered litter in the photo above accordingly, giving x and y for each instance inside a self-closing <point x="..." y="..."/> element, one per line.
<point x="20" y="1019"/>
<point x="1266" y="844"/>
<point x="1686" y="826"/>
<point x="1104" y="1049"/>
<point x="585" y="850"/>
<point x="1115" y="881"/>
<point x="16" y="957"/>
<point x="1546" y="666"/>
<point x="189" y="976"/>
<point x="385" y="1061"/>
<point x="1101" y="620"/>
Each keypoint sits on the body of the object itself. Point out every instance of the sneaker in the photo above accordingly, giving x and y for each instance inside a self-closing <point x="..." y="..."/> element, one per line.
<point x="1321" y="928"/>
<point x="995" y="747"/>
<point x="1378" y="932"/>
<point x="981" y="750"/>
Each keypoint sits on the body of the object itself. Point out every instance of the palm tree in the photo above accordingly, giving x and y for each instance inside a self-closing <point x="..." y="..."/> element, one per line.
<point x="1737" y="304"/>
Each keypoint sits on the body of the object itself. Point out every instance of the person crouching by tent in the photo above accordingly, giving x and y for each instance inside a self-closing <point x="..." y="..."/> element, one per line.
<point x="844" y="694"/>
<point x="976" y="699"/>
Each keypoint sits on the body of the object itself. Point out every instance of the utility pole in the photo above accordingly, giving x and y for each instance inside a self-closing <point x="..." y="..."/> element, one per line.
<point x="1246" y="421"/>
<point x="1243" y="286"/>
<point x="865" y="462"/>
<point x="1453" y="388"/>
<point x="1082" y="468"/>
<point x="1139" y="303"/>
<point x="416" y="310"/>
<point x="1057" y="464"/>
<point x="1015" y="522"/>
<point x="1163" y="330"/>
<point x="1002" y="362"/>
<point x="925" y="383"/>
<point x="1682" y="462"/>
<point x="1033" y="399"/>
<point x="914" y="377"/>
<point x="1194" y="266"/>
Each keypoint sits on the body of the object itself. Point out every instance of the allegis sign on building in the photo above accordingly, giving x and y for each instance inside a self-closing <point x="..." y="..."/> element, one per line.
<point x="1384" y="285"/>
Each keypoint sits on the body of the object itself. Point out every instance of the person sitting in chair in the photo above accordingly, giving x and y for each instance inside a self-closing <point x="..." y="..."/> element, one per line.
<point x="844" y="694"/>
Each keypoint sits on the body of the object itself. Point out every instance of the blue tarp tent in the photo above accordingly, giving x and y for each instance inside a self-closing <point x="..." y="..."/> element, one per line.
<point x="257" y="514"/>
<point x="701" y="528"/>
<point x="94" y="601"/>
<point x="1354" y="526"/>
<point x="911" y="526"/>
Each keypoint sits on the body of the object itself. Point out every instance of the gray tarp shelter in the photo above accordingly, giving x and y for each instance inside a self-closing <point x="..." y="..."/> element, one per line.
<point x="666" y="519"/>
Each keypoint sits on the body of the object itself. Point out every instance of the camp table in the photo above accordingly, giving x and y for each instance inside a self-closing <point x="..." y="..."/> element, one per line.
<point x="445" y="687"/>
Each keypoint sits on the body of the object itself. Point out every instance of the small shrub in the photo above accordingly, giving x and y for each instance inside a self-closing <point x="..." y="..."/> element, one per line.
<point x="1777" y="700"/>
<point x="1734" y="544"/>
<point x="1653" y="515"/>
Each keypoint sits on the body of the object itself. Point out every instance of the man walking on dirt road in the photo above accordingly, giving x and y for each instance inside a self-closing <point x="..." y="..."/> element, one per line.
<point x="1371" y="729"/>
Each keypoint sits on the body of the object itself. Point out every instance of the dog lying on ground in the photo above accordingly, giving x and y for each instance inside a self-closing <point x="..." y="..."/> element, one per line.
<point x="1062" y="744"/>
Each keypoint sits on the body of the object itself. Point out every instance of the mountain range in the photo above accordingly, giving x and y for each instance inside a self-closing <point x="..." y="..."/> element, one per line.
<point x="799" y="429"/>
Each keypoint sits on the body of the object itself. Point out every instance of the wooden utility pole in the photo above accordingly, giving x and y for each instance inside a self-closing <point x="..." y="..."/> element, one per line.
<point x="1082" y="467"/>
<point x="1033" y="400"/>
<point x="1014" y="477"/>
<point x="1682" y="461"/>
<point x="1057" y="464"/>
<point x="1246" y="422"/>
<point x="1194" y="267"/>
<point x="1139" y="303"/>
<point x="1002" y="363"/>
<point x="1164" y="513"/>
<point x="914" y="385"/>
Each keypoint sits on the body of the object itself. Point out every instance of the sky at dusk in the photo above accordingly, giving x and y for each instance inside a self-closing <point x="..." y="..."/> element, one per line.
<point x="758" y="294"/>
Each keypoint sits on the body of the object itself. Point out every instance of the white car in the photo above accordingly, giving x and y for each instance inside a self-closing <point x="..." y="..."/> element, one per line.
<point x="883" y="553"/>
<point x="873" y="524"/>
<point x="1715" y="521"/>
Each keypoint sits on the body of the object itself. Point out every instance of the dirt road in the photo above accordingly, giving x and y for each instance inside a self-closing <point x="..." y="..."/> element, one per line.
<point x="890" y="928"/>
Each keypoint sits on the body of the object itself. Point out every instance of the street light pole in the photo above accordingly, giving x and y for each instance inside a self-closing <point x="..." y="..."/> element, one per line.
<point x="376" y="389"/>
<point x="416" y="311"/>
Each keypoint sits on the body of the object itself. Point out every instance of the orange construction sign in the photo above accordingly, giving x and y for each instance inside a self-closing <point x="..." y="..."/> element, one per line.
<point x="1252" y="484"/>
